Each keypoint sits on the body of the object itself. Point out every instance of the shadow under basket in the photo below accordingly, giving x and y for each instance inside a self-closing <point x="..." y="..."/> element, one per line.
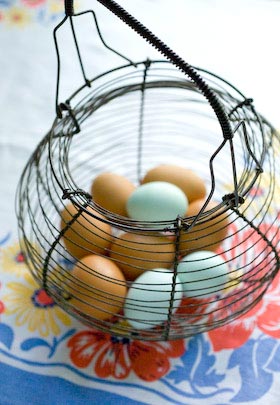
<point x="130" y="120"/>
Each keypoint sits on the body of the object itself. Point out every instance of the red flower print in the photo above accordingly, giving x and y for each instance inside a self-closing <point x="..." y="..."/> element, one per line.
<point x="19" y="258"/>
<point x="191" y="311"/>
<point x="258" y="260"/>
<point x="1" y="305"/>
<point x="234" y="334"/>
<point x="33" y="3"/>
<point x="41" y="299"/>
<point x="256" y="192"/>
<point x="118" y="357"/>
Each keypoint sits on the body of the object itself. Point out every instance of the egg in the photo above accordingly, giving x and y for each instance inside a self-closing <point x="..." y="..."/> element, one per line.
<point x="203" y="274"/>
<point x="86" y="234"/>
<point x="136" y="253"/>
<point x="157" y="201"/>
<point x="148" y="299"/>
<point x="188" y="181"/>
<point x="96" y="287"/>
<point x="111" y="191"/>
<point x="205" y="236"/>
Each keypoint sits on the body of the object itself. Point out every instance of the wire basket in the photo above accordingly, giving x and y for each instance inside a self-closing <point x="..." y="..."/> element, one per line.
<point x="126" y="276"/>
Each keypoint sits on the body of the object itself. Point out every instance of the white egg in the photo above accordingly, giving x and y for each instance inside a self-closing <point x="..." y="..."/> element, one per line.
<point x="203" y="274"/>
<point x="147" y="302"/>
<point x="157" y="201"/>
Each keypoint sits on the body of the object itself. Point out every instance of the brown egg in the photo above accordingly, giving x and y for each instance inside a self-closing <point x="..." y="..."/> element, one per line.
<point x="111" y="191"/>
<point x="206" y="236"/>
<point x="96" y="287"/>
<point x="135" y="253"/>
<point x="87" y="234"/>
<point x="188" y="181"/>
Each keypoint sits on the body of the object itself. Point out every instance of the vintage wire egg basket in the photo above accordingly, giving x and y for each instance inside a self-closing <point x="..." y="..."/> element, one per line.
<point x="128" y="121"/>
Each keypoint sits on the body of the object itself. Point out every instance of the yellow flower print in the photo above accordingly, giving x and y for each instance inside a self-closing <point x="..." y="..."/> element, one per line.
<point x="32" y="306"/>
<point x="17" y="16"/>
<point x="12" y="260"/>
<point x="57" y="7"/>
<point x="276" y="147"/>
<point x="235" y="278"/>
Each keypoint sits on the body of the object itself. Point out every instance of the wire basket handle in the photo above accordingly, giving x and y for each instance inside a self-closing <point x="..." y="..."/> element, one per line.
<point x="69" y="14"/>
<point x="145" y="33"/>
<point x="175" y="59"/>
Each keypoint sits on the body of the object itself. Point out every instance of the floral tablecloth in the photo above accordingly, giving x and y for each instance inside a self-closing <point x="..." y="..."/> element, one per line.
<point x="47" y="357"/>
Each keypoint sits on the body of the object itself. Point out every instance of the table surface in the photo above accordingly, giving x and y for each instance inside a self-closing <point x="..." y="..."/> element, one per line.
<point x="47" y="357"/>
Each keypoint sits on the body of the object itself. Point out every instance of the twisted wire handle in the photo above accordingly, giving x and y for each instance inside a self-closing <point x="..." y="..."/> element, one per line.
<point x="175" y="60"/>
<point x="69" y="7"/>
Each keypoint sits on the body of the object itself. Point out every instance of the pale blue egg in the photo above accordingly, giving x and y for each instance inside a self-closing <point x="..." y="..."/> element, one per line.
<point x="148" y="299"/>
<point x="203" y="274"/>
<point x="157" y="201"/>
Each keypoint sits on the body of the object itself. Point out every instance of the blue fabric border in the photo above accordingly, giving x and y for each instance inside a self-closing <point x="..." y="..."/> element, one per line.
<point x="18" y="387"/>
